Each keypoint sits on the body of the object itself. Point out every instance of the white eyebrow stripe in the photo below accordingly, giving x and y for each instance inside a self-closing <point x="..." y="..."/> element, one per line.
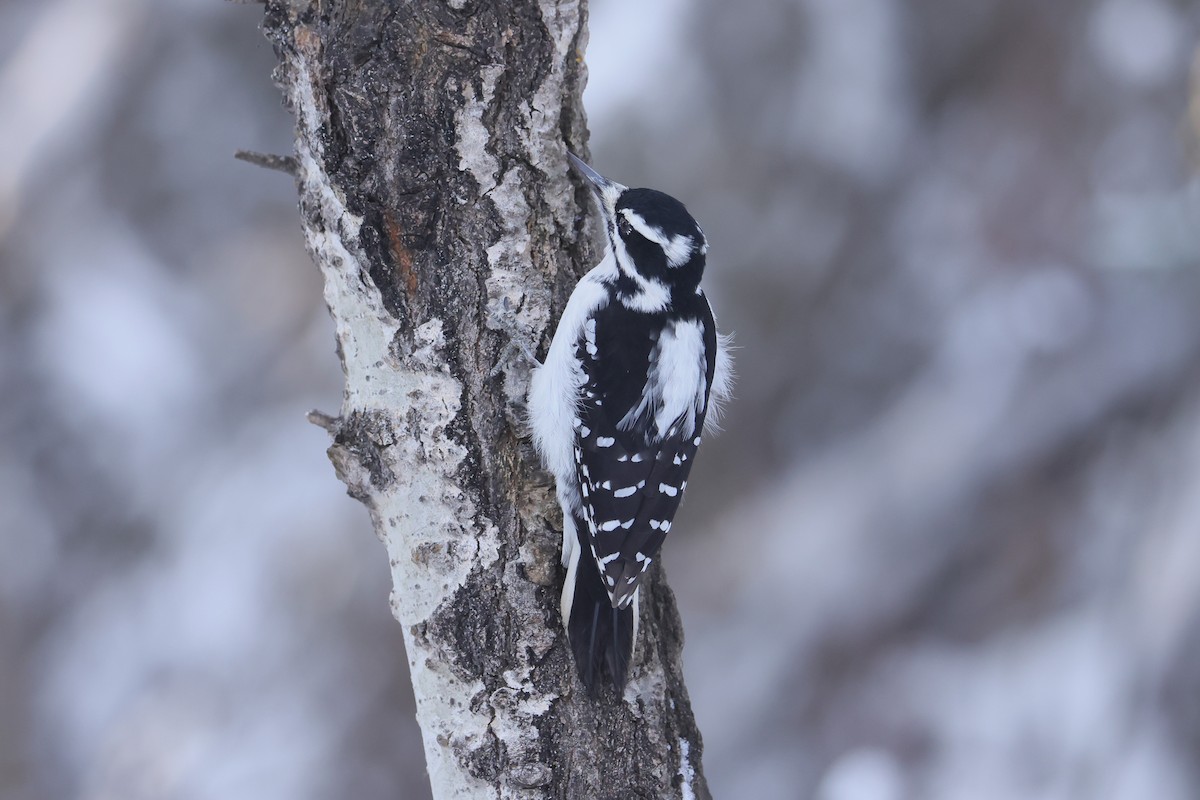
<point x="651" y="232"/>
<point x="678" y="248"/>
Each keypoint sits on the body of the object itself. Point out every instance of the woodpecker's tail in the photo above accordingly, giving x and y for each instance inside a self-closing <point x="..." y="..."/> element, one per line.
<point x="602" y="637"/>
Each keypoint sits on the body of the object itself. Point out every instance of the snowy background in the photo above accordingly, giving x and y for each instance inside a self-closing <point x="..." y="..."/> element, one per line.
<point x="948" y="548"/>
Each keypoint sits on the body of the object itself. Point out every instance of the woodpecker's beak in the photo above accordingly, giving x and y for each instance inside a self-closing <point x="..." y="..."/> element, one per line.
<point x="598" y="181"/>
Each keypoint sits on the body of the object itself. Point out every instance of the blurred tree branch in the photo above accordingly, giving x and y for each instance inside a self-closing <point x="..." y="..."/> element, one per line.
<point x="267" y="161"/>
<point x="430" y="161"/>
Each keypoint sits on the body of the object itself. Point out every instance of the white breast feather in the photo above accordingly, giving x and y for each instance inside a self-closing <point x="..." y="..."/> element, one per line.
<point x="675" y="385"/>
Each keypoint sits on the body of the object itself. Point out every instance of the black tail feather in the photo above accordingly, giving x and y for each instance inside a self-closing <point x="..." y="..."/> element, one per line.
<point x="601" y="636"/>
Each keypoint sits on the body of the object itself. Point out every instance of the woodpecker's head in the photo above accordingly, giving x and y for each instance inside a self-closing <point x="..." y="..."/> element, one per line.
<point x="656" y="243"/>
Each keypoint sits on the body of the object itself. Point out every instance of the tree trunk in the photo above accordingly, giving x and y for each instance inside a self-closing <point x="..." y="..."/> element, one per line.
<point x="435" y="198"/>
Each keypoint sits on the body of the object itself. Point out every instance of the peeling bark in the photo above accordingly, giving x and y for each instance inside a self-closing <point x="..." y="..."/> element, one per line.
<point x="435" y="198"/>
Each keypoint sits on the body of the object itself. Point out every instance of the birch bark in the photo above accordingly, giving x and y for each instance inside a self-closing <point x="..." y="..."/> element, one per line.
<point x="435" y="199"/>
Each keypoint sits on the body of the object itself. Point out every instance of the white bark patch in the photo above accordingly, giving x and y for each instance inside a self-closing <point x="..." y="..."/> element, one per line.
<point x="425" y="519"/>
<point x="472" y="136"/>
<point x="518" y="303"/>
<point x="648" y="687"/>
<point x="687" y="774"/>
<point x="545" y="118"/>
<point x="517" y="707"/>
<point x="518" y="299"/>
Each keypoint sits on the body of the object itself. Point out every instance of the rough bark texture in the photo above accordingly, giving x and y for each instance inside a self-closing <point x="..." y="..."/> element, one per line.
<point x="435" y="198"/>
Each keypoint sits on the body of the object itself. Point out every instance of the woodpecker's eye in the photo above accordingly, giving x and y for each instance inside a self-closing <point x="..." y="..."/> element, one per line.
<point x="623" y="227"/>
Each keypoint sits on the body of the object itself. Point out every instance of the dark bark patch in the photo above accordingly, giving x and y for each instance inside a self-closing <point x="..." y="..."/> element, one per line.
<point x="365" y="435"/>
<point x="401" y="255"/>
<point x="375" y="237"/>
<point x="467" y="629"/>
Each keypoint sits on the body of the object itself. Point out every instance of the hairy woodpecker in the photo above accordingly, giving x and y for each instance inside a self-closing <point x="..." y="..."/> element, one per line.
<point x="635" y="373"/>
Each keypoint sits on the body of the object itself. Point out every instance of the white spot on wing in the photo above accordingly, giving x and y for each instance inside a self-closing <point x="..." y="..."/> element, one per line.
<point x="605" y="441"/>
<point x="668" y="490"/>
<point x="626" y="492"/>
<point x="589" y="333"/>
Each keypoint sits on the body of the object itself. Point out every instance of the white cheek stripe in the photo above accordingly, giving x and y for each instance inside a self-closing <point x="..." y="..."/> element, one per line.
<point x="652" y="295"/>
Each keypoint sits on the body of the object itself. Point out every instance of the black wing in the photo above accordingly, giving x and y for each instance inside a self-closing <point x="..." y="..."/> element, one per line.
<point x="632" y="482"/>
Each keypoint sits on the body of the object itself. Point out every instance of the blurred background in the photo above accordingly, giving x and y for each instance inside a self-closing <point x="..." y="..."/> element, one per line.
<point x="948" y="548"/>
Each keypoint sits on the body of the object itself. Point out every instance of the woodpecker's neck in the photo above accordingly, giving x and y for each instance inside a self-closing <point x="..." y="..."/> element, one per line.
<point x="685" y="279"/>
<point x="682" y="299"/>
